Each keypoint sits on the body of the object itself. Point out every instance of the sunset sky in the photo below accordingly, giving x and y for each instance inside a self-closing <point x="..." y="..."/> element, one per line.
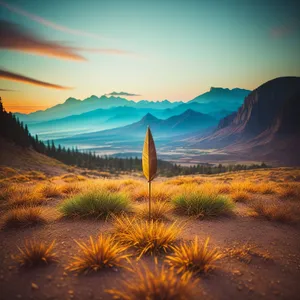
<point x="155" y="50"/>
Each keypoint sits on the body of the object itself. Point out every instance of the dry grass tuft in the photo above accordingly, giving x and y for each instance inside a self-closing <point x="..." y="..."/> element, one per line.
<point x="161" y="284"/>
<point x="24" y="196"/>
<point x="193" y="257"/>
<point x="160" y="192"/>
<point x="240" y="196"/>
<point x="290" y="191"/>
<point x="103" y="253"/>
<point x="50" y="190"/>
<point x="287" y="212"/>
<point x="24" y="217"/>
<point x="159" y="210"/>
<point x="146" y="237"/>
<point x="35" y="253"/>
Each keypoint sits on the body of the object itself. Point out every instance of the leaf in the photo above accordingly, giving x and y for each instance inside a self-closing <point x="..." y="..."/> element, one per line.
<point x="149" y="158"/>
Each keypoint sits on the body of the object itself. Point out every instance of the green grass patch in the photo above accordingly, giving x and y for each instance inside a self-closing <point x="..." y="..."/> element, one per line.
<point x="95" y="204"/>
<point x="202" y="204"/>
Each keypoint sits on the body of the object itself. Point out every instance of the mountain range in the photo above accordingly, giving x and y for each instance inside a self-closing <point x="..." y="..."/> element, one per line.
<point x="187" y="122"/>
<point x="266" y="126"/>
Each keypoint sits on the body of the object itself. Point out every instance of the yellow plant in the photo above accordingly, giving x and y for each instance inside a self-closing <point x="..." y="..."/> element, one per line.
<point x="240" y="196"/>
<point x="35" y="253"/>
<point x="146" y="237"/>
<point x="23" y="217"/>
<point x="161" y="284"/>
<point x="193" y="257"/>
<point x="105" y="252"/>
<point x="159" y="210"/>
<point x="49" y="190"/>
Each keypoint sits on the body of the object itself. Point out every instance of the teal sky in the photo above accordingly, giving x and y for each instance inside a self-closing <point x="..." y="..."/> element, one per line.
<point x="174" y="50"/>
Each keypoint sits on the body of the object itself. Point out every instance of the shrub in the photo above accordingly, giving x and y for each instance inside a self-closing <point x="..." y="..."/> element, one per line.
<point x="161" y="283"/>
<point x="193" y="257"/>
<point x="159" y="210"/>
<point x="201" y="204"/>
<point x="103" y="253"/>
<point x="24" y="217"/>
<point x="146" y="237"/>
<point x="95" y="204"/>
<point x="35" y="253"/>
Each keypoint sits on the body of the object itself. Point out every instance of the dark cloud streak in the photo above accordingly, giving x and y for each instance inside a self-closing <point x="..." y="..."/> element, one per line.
<point x="21" y="78"/>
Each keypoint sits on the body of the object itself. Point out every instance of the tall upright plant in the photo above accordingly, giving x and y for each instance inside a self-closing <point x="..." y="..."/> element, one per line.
<point x="149" y="161"/>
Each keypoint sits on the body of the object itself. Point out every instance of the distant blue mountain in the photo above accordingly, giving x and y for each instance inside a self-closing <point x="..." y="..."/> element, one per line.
<point x="217" y="99"/>
<point x="189" y="121"/>
<point x="74" y="106"/>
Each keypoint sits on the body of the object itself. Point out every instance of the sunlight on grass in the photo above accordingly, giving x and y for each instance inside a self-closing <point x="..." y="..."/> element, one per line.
<point x="193" y="257"/>
<point x="202" y="204"/>
<point x="24" y="217"/>
<point x="159" y="210"/>
<point x="161" y="283"/>
<point x="35" y="253"/>
<point x="240" y="196"/>
<point x="95" y="204"/>
<point x="146" y="237"/>
<point x="49" y="190"/>
<point x="97" y="255"/>
<point x="285" y="212"/>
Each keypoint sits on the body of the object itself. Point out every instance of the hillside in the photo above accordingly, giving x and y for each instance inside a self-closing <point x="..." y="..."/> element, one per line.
<point x="265" y="126"/>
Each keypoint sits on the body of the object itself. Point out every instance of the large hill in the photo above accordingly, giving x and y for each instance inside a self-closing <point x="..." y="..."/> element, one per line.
<point x="265" y="126"/>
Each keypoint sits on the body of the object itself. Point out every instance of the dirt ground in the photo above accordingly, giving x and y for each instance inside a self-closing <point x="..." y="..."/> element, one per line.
<point x="269" y="268"/>
<point x="275" y="278"/>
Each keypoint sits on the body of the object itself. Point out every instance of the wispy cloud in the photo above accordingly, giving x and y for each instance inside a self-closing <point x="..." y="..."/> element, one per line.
<point x="7" y="90"/>
<point x="14" y="37"/>
<point x="283" y="30"/>
<point x="21" y="78"/>
<point x="46" y="22"/>
<point x="122" y="94"/>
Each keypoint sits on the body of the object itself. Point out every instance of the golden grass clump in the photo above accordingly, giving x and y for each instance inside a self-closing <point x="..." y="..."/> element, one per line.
<point x="147" y="237"/>
<point x="290" y="191"/>
<point x="246" y="186"/>
<point x="285" y="212"/>
<point x="24" y="217"/>
<point x="24" y="196"/>
<point x="160" y="192"/>
<point x="240" y="196"/>
<point x="159" y="210"/>
<point x="72" y="178"/>
<point x="70" y="188"/>
<point x="97" y="255"/>
<point x="161" y="283"/>
<point x="193" y="257"/>
<point x="36" y="253"/>
<point x="49" y="190"/>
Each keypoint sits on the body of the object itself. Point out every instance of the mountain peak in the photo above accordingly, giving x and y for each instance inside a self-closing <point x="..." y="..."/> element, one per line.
<point x="149" y="118"/>
<point x="71" y="100"/>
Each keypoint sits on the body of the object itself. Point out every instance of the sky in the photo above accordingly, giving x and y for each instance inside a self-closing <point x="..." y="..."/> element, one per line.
<point x="154" y="50"/>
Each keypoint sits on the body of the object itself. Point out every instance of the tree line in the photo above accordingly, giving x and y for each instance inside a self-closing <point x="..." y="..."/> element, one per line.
<point x="14" y="130"/>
